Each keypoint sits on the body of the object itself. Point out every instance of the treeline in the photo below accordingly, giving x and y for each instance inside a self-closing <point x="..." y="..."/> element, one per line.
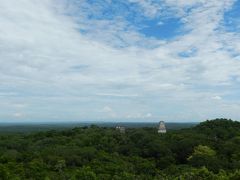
<point x="211" y="150"/>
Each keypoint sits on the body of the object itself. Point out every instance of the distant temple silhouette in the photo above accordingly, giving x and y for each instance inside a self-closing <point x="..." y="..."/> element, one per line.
<point x="121" y="129"/>
<point x="162" y="127"/>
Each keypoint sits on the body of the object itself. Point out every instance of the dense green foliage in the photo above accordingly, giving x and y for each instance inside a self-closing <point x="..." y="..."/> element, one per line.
<point x="211" y="150"/>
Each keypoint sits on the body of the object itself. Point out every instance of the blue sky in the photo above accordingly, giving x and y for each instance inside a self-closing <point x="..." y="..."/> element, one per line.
<point x="125" y="60"/>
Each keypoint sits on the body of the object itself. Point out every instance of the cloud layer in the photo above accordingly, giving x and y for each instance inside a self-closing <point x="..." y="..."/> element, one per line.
<point x="77" y="60"/>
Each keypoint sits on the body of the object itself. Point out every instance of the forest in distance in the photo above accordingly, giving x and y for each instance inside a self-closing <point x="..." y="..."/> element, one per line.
<point x="46" y="126"/>
<point x="209" y="150"/>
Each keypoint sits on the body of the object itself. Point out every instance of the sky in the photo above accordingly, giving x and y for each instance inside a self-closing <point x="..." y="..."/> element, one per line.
<point x="119" y="60"/>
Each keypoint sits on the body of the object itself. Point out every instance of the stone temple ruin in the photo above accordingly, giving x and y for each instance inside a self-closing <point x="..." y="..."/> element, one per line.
<point x="162" y="128"/>
<point x="121" y="129"/>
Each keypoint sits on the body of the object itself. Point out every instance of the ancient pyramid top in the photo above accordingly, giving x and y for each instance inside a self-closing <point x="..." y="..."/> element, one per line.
<point x="162" y="127"/>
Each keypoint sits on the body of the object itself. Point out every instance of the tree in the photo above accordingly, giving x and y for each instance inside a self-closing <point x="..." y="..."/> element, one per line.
<point x="61" y="164"/>
<point x="85" y="173"/>
<point x="4" y="173"/>
<point x="204" y="156"/>
<point x="199" y="174"/>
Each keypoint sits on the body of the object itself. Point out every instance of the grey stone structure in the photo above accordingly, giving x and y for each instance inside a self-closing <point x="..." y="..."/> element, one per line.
<point x="162" y="127"/>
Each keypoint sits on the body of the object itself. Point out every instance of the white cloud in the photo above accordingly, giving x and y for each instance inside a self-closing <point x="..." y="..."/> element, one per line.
<point x="18" y="115"/>
<point x="107" y="109"/>
<point x="117" y="95"/>
<point x="217" y="97"/>
<point x="148" y="115"/>
<point x="109" y="112"/>
<point x="150" y="8"/>
<point x="47" y="62"/>
<point x="19" y="105"/>
<point x="139" y="116"/>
